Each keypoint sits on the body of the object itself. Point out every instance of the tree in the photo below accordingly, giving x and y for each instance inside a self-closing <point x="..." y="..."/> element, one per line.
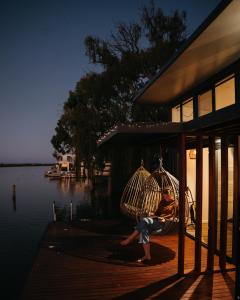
<point x="128" y="59"/>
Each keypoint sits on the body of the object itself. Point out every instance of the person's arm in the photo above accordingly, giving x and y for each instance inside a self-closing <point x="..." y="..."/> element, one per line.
<point x="151" y="214"/>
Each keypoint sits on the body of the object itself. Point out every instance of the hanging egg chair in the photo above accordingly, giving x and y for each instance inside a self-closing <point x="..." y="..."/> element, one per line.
<point x="148" y="199"/>
<point x="130" y="204"/>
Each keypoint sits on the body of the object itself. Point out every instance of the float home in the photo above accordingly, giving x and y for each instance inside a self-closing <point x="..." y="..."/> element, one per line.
<point x="200" y="87"/>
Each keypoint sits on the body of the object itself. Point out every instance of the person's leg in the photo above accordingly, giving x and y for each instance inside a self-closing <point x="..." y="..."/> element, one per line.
<point x="142" y="229"/>
<point x="144" y="238"/>
<point x="147" y="253"/>
<point x="139" y="229"/>
<point x="130" y="238"/>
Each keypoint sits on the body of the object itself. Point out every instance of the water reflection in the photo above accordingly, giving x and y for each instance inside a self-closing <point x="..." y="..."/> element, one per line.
<point x="87" y="200"/>
<point x="14" y="203"/>
<point x="73" y="187"/>
<point x="24" y="217"/>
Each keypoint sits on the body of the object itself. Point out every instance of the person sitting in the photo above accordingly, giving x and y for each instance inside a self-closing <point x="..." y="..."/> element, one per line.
<point x="153" y="222"/>
<point x="167" y="206"/>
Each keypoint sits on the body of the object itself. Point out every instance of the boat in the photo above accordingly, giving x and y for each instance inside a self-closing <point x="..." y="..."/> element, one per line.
<point x="68" y="174"/>
<point x="52" y="174"/>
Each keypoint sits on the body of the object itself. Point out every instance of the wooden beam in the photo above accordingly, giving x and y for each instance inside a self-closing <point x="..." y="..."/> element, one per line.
<point x="236" y="214"/>
<point x="224" y="202"/>
<point x="199" y="185"/>
<point x="213" y="99"/>
<point x="237" y="87"/>
<point x="195" y="107"/>
<point x="212" y="204"/>
<point x="182" y="189"/>
<point x="235" y="196"/>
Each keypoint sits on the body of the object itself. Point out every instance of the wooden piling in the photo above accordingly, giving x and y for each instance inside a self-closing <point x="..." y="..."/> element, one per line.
<point x="14" y="191"/>
<point x="54" y="212"/>
<point x="71" y="211"/>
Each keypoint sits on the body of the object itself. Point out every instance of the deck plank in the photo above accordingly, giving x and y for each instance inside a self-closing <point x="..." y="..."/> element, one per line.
<point x="87" y="262"/>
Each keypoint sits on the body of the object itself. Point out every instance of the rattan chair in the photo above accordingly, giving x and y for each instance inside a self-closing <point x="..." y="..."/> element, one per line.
<point x="143" y="194"/>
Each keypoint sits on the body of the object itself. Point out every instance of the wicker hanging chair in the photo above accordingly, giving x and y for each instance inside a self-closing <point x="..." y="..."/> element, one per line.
<point x="148" y="195"/>
<point x="130" y="204"/>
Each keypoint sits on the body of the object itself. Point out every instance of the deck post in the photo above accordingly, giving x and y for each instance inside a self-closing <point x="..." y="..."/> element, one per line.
<point x="199" y="184"/>
<point x="182" y="190"/>
<point x="224" y="202"/>
<point x="211" y="204"/>
<point x="236" y="218"/>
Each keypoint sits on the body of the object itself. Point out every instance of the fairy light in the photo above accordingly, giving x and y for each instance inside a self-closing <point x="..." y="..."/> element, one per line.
<point x="137" y="125"/>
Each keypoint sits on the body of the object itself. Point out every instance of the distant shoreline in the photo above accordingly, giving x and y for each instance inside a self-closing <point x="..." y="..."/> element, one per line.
<point x="2" y="165"/>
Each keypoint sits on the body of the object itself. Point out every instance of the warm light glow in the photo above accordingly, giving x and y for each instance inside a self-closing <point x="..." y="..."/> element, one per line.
<point x="176" y="114"/>
<point x="187" y="110"/>
<point x="225" y="93"/>
<point x="205" y="103"/>
<point x="192" y="154"/>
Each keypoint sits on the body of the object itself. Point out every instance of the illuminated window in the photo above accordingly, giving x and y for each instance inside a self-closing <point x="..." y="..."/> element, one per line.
<point x="176" y="114"/>
<point x="187" y="110"/>
<point x="225" y="92"/>
<point x="205" y="103"/>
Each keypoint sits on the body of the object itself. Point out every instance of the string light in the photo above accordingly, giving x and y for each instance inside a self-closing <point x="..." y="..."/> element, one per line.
<point x="140" y="125"/>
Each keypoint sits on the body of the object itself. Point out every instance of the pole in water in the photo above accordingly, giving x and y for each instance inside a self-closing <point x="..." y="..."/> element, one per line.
<point x="14" y="197"/>
<point x="14" y="191"/>
<point x="71" y="211"/>
<point x="54" y="212"/>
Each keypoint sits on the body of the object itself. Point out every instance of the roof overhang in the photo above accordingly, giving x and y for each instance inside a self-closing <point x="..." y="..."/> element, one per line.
<point x="214" y="46"/>
<point x="140" y="133"/>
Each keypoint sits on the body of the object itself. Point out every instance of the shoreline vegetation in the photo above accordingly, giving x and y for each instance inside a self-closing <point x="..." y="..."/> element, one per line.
<point x="2" y="165"/>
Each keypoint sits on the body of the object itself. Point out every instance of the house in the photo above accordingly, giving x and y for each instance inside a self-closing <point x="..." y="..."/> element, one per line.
<point x="66" y="162"/>
<point x="200" y="86"/>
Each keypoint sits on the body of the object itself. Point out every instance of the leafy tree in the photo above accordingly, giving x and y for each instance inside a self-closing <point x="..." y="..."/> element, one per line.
<point x="130" y="57"/>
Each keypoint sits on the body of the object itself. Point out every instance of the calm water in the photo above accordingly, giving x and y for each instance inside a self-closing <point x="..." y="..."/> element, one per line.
<point x="22" y="223"/>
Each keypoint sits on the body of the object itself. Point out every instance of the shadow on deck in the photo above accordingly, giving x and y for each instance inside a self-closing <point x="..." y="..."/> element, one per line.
<point x="85" y="261"/>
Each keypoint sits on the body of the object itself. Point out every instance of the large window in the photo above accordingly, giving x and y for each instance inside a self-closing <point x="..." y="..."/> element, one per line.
<point x="176" y="116"/>
<point x="205" y="103"/>
<point x="187" y="110"/>
<point x="225" y="92"/>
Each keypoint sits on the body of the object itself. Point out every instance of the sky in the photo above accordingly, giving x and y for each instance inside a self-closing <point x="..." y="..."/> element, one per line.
<point x="42" y="56"/>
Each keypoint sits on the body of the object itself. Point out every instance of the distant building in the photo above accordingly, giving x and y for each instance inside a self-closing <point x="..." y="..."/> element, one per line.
<point x="66" y="162"/>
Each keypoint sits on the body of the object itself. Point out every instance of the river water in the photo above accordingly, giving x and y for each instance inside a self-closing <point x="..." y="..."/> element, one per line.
<point x="23" y="221"/>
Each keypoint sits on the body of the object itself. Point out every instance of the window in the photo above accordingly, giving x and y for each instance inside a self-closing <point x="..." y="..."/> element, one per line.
<point x="176" y="114"/>
<point x="205" y="103"/>
<point x="225" y="92"/>
<point x="187" y="110"/>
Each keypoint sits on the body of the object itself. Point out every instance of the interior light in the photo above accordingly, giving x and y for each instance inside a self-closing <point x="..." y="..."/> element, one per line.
<point x="192" y="154"/>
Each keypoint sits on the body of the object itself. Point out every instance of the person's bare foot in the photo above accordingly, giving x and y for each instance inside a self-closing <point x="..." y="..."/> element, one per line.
<point x="144" y="259"/>
<point x="125" y="242"/>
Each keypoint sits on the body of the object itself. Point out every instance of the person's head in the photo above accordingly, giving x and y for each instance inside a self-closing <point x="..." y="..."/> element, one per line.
<point x="166" y="194"/>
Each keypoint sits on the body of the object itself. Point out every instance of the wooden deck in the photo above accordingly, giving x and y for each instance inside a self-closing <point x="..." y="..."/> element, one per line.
<point x="85" y="261"/>
<point x="191" y="231"/>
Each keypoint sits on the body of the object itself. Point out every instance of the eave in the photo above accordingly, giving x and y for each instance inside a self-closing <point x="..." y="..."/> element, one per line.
<point x="211" y="48"/>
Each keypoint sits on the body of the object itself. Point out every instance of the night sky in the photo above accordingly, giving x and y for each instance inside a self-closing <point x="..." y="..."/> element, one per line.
<point x="42" y="56"/>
